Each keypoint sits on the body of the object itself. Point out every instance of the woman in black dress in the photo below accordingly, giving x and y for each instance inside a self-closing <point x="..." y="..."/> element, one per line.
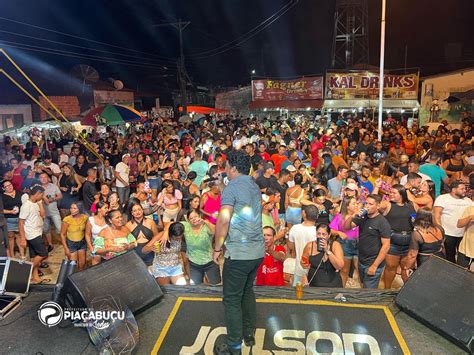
<point x="69" y="184"/>
<point x="323" y="264"/>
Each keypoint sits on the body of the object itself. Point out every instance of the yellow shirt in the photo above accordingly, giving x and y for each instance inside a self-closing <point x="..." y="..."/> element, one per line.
<point x="467" y="243"/>
<point x="76" y="227"/>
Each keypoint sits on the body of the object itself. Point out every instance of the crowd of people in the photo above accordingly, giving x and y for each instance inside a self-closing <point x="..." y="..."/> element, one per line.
<point x="336" y="202"/>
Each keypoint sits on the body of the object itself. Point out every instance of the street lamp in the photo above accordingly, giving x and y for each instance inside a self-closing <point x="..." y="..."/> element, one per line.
<point x="253" y="72"/>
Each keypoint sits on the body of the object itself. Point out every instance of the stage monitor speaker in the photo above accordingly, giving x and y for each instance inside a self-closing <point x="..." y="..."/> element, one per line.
<point x="124" y="277"/>
<point x="440" y="295"/>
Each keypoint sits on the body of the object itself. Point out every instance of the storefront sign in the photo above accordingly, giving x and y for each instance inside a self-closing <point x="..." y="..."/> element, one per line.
<point x="365" y="85"/>
<point x="285" y="327"/>
<point x="310" y="88"/>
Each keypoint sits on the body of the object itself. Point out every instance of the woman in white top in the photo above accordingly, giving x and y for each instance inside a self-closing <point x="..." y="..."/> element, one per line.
<point x="94" y="226"/>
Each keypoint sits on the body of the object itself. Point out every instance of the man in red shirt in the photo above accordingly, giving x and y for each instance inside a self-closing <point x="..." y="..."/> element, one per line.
<point x="270" y="272"/>
<point x="279" y="158"/>
<point x="15" y="174"/>
<point x="262" y="152"/>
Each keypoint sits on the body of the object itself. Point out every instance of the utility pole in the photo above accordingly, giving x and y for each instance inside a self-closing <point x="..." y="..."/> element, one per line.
<point x="182" y="74"/>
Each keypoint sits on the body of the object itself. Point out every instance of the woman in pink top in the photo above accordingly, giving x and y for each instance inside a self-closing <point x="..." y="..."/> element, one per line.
<point x="348" y="238"/>
<point x="170" y="200"/>
<point x="211" y="202"/>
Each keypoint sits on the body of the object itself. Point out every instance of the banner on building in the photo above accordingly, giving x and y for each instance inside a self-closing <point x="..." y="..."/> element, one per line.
<point x="307" y="88"/>
<point x="365" y="85"/>
<point x="106" y="97"/>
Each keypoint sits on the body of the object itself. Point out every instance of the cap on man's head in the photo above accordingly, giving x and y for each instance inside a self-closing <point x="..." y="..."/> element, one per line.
<point x="125" y="156"/>
<point x="291" y="168"/>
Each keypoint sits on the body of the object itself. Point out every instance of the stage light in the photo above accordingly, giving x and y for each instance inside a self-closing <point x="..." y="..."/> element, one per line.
<point x="342" y="111"/>
<point x="403" y="110"/>
<point x="354" y="110"/>
<point x="265" y="109"/>
<point x="308" y="108"/>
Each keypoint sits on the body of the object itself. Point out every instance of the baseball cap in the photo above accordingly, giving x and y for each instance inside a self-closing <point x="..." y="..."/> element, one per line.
<point x="291" y="168"/>
<point x="352" y="186"/>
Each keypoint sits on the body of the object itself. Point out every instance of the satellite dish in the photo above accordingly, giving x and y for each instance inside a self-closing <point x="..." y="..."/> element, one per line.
<point x="118" y="85"/>
<point x="85" y="73"/>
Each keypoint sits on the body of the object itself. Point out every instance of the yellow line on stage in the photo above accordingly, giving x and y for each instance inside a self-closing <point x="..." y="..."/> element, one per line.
<point x="388" y="314"/>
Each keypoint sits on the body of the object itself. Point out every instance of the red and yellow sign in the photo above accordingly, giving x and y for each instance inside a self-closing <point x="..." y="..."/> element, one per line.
<point x="365" y="85"/>
<point x="310" y="88"/>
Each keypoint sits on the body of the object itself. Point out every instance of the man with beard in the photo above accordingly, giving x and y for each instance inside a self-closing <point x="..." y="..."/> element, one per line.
<point x="364" y="179"/>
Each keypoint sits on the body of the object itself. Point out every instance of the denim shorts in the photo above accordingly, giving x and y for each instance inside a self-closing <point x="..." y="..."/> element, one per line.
<point x="76" y="246"/>
<point x="349" y="247"/>
<point x="399" y="243"/>
<point x="166" y="271"/>
<point x="12" y="224"/>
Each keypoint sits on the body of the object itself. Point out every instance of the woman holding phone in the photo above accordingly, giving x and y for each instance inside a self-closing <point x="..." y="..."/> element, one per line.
<point x="324" y="258"/>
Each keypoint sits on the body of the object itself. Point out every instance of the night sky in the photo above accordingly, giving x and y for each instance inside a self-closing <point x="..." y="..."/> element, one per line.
<point x="438" y="34"/>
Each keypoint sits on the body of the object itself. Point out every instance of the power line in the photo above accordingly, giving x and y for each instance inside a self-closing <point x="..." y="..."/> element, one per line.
<point x="82" y="38"/>
<point x="89" y="56"/>
<point x="248" y="35"/>
<point x="74" y="55"/>
<point x="82" y="47"/>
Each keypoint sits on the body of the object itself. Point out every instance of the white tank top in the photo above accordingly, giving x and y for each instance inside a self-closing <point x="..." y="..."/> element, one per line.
<point x="95" y="230"/>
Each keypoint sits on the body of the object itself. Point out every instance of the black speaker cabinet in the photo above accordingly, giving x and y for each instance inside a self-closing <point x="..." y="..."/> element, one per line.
<point x="124" y="277"/>
<point x="440" y="294"/>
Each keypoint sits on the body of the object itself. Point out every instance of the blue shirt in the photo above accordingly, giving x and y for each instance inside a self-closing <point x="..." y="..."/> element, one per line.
<point x="245" y="237"/>
<point x="200" y="168"/>
<point x="368" y="185"/>
<point x="436" y="173"/>
<point x="335" y="187"/>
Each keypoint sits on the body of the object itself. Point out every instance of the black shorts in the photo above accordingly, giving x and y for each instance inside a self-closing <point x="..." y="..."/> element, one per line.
<point x="37" y="247"/>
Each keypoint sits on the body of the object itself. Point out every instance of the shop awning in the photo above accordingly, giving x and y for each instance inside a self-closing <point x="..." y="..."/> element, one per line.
<point x="286" y="104"/>
<point x="364" y="103"/>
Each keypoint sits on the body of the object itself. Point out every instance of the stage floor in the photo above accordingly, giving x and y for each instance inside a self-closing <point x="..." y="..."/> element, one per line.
<point x="22" y="333"/>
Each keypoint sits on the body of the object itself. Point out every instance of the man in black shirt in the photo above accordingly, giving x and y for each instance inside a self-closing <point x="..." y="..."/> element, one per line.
<point x="374" y="241"/>
<point x="89" y="190"/>
<point x="255" y="159"/>
<point x="267" y="179"/>
<point x="281" y="186"/>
